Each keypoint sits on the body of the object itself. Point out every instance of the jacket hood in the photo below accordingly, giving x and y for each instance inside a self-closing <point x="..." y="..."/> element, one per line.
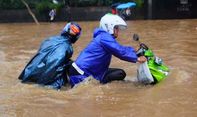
<point x="98" y="31"/>
<point x="67" y="38"/>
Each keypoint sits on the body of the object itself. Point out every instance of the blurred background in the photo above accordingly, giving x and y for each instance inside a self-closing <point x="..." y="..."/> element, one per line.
<point x="78" y="10"/>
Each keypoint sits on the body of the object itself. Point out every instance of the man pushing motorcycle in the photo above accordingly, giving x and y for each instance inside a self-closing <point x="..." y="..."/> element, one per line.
<point x="95" y="59"/>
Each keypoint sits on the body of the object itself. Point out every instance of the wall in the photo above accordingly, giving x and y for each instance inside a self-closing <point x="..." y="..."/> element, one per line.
<point x="171" y="9"/>
<point x="66" y="14"/>
<point x="90" y="13"/>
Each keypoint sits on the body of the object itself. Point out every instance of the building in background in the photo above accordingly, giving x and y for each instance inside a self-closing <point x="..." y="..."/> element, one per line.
<point x="170" y="9"/>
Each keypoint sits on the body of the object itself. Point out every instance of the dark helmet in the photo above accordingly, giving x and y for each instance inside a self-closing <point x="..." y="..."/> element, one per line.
<point x="72" y="30"/>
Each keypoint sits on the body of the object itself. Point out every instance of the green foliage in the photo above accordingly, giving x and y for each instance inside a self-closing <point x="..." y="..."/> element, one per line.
<point x="42" y="5"/>
<point x="139" y="3"/>
<point x="17" y="4"/>
<point x="83" y="3"/>
<point x="121" y="1"/>
<point x="46" y="5"/>
<point x="11" y="4"/>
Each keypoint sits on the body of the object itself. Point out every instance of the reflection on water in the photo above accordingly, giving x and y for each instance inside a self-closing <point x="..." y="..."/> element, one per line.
<point x="172" y="40"/>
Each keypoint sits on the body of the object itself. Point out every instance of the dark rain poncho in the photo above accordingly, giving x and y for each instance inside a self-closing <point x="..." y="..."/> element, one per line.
<point x="48" y="66"/>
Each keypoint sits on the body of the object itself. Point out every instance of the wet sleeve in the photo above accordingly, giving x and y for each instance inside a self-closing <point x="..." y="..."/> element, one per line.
<point x="123" y="52"/>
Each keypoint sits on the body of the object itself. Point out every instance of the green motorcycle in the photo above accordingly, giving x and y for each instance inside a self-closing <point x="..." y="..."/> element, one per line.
<point x="153" y="71"/>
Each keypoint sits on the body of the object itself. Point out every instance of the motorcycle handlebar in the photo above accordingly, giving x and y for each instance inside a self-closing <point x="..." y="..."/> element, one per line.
<point x="144" y="46"/>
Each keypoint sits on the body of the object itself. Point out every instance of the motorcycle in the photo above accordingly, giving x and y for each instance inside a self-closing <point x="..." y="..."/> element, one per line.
<point x="153" y="70"/>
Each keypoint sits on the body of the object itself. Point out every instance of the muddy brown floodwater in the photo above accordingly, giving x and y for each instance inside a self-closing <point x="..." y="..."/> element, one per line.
<point x="173" y="40"/>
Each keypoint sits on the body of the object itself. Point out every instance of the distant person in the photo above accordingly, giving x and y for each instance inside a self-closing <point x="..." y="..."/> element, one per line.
<point x="95" y="59"/>
<point x="123" y="9"/>
<point x="128" y="11"/>
<point x="113" y="8"/>
<point x="50" y="64"/>
<point x="125" y="13"/>
<point x="52" y="15"/>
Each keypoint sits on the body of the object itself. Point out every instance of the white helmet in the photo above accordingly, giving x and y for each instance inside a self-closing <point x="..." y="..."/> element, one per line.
<point x="109" y="21"/>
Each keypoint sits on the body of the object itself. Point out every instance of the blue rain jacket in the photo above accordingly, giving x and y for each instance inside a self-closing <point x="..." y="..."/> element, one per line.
<point x="96" y="57"/>
<point x="48" y="66"/>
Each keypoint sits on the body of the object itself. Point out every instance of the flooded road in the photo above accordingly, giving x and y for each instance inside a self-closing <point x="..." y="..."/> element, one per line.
<point x="173" y="40"/>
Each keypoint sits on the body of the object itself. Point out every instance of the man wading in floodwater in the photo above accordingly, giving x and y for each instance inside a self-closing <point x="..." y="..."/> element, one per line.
<point x="95" y="59"/>
<point x="50" y="64"/>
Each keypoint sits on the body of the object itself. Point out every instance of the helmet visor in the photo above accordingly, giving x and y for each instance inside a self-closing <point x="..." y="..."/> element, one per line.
<point x="122" y="27"/>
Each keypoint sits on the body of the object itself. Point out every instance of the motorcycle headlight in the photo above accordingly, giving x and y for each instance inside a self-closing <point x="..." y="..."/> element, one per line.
<point x="158" y="60"/>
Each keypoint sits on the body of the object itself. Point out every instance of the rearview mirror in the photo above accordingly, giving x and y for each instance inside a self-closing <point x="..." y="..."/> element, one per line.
<point x="135" y="37"/>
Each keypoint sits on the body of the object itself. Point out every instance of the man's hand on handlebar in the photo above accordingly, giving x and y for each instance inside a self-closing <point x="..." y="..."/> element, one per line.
<point x="141" y="59"/>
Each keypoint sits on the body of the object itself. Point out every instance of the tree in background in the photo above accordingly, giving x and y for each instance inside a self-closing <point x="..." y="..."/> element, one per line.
<point x="30" y="12"/>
